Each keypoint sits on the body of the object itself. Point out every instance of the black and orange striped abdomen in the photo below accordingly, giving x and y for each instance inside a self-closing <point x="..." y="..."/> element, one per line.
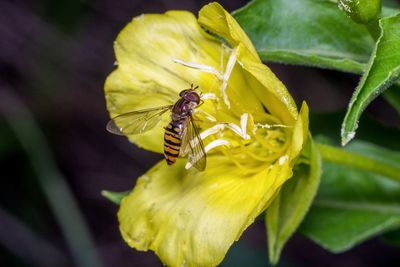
<point x="172" y="141"/>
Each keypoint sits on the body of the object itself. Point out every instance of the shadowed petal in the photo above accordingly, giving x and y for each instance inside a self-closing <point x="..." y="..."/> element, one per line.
<point x="191" y="219"/>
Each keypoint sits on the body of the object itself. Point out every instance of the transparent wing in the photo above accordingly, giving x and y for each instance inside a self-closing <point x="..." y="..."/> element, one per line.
<point x="193" y="146"/>
<point x="136" y="122"/>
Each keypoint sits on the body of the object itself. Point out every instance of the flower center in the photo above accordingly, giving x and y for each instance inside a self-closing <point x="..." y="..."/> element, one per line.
<point x="250" y="145"/>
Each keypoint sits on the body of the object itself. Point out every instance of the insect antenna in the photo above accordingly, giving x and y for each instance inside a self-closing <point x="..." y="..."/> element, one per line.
<point x="192" y="87"/>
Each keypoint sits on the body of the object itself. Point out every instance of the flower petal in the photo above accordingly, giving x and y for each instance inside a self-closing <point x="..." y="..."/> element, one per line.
<point x="269" y="89"/>
<point x="300" y="133"/>
<point x="147" y="76"/>
<point x="191" y="219"/>
<point x="217" y="20"/>
<point x="266" y="86"/>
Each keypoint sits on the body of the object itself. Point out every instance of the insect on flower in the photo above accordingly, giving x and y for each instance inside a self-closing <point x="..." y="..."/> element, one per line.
<point x="181" y="136"/>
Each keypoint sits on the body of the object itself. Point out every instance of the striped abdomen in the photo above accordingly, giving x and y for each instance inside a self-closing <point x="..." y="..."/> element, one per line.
<point x="172" y="141"/>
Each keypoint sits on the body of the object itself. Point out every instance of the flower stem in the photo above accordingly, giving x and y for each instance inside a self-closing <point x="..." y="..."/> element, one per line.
<point x="345" y="157"/>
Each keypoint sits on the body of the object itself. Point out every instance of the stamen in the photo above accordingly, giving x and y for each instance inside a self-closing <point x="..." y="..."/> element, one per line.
<point x="263" y="156"/>
<point x="241" y="131"/>
<point x="243" y="167"/>
<point x="283" y="159"/>
<point x="201" y="67"/>
<point x="236" y="129"/>
<point x="207" y="96"/>
<point x="228" y="70"/>
<point x="243" y="124"/>
<point x="266" y="142"/>
<point x="216" y="143"/>
<point x="212" y="145"/>
<point x="224" y="77"/>
<point x="212" y="130"/>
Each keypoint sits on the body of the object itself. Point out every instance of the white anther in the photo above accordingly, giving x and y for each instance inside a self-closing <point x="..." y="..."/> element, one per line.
<point x="283" y="159"/>
<point x="209" y="69"/>
<point x="212" y="130"/>
<point x="227" y="73"/>
<point x="216" y="143"/>
<point x="212" y="145"/>
<point x="243" y="123"/>
<point x="237" y="130"/>
<point x="241" y="131"/>
<point x="218" y="128"/>
<point x="207" y="96"/>
<point x="201" y="67"/>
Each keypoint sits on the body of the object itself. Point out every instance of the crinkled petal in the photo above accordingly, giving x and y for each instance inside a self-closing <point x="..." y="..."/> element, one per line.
<point x="217" y="20"/>
<point x="260" y="79"/>
<point x="146" y="75"/>
<point x="192" y="218"/>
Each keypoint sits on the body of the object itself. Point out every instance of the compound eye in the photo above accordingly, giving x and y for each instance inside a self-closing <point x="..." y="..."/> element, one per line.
<point x="193" y="96"/>
<point x="183" y="92"/>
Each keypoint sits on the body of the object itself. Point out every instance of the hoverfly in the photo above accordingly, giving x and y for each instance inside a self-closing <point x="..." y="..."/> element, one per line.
<point x="181" y="136"/>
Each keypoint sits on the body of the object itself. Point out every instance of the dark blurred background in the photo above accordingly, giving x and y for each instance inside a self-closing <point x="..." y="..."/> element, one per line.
<point x="56" y="157"/>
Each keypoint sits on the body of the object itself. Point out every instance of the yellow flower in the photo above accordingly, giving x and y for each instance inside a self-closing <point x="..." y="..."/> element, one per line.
<point x="249" y="122"/>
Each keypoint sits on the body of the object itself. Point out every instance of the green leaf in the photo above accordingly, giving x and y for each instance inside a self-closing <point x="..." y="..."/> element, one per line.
<point x="382" y="71"/>
<point x="312" y="33"/>
<point x="114" y="197"/>
<point x="374" y="152"/>
<point x="369" y="132"/>
<point x="306" y="32"/>
<point x="369" y="162"/>
<point x="289" y="208"/>
<point x="391" y="3"/>
<point x="353" y="205"/>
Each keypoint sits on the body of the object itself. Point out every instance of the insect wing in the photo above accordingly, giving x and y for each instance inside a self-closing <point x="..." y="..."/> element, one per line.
<point x="136" y="122"/>
<point x="193" y="146"/>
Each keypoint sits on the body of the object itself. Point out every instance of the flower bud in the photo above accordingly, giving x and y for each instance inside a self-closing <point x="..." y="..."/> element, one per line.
<point x="361" y="11"/>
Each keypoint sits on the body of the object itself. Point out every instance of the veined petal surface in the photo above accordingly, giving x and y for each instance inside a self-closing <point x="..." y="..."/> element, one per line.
<point x="146" y="75"/>
<point x="192" y="218"/>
